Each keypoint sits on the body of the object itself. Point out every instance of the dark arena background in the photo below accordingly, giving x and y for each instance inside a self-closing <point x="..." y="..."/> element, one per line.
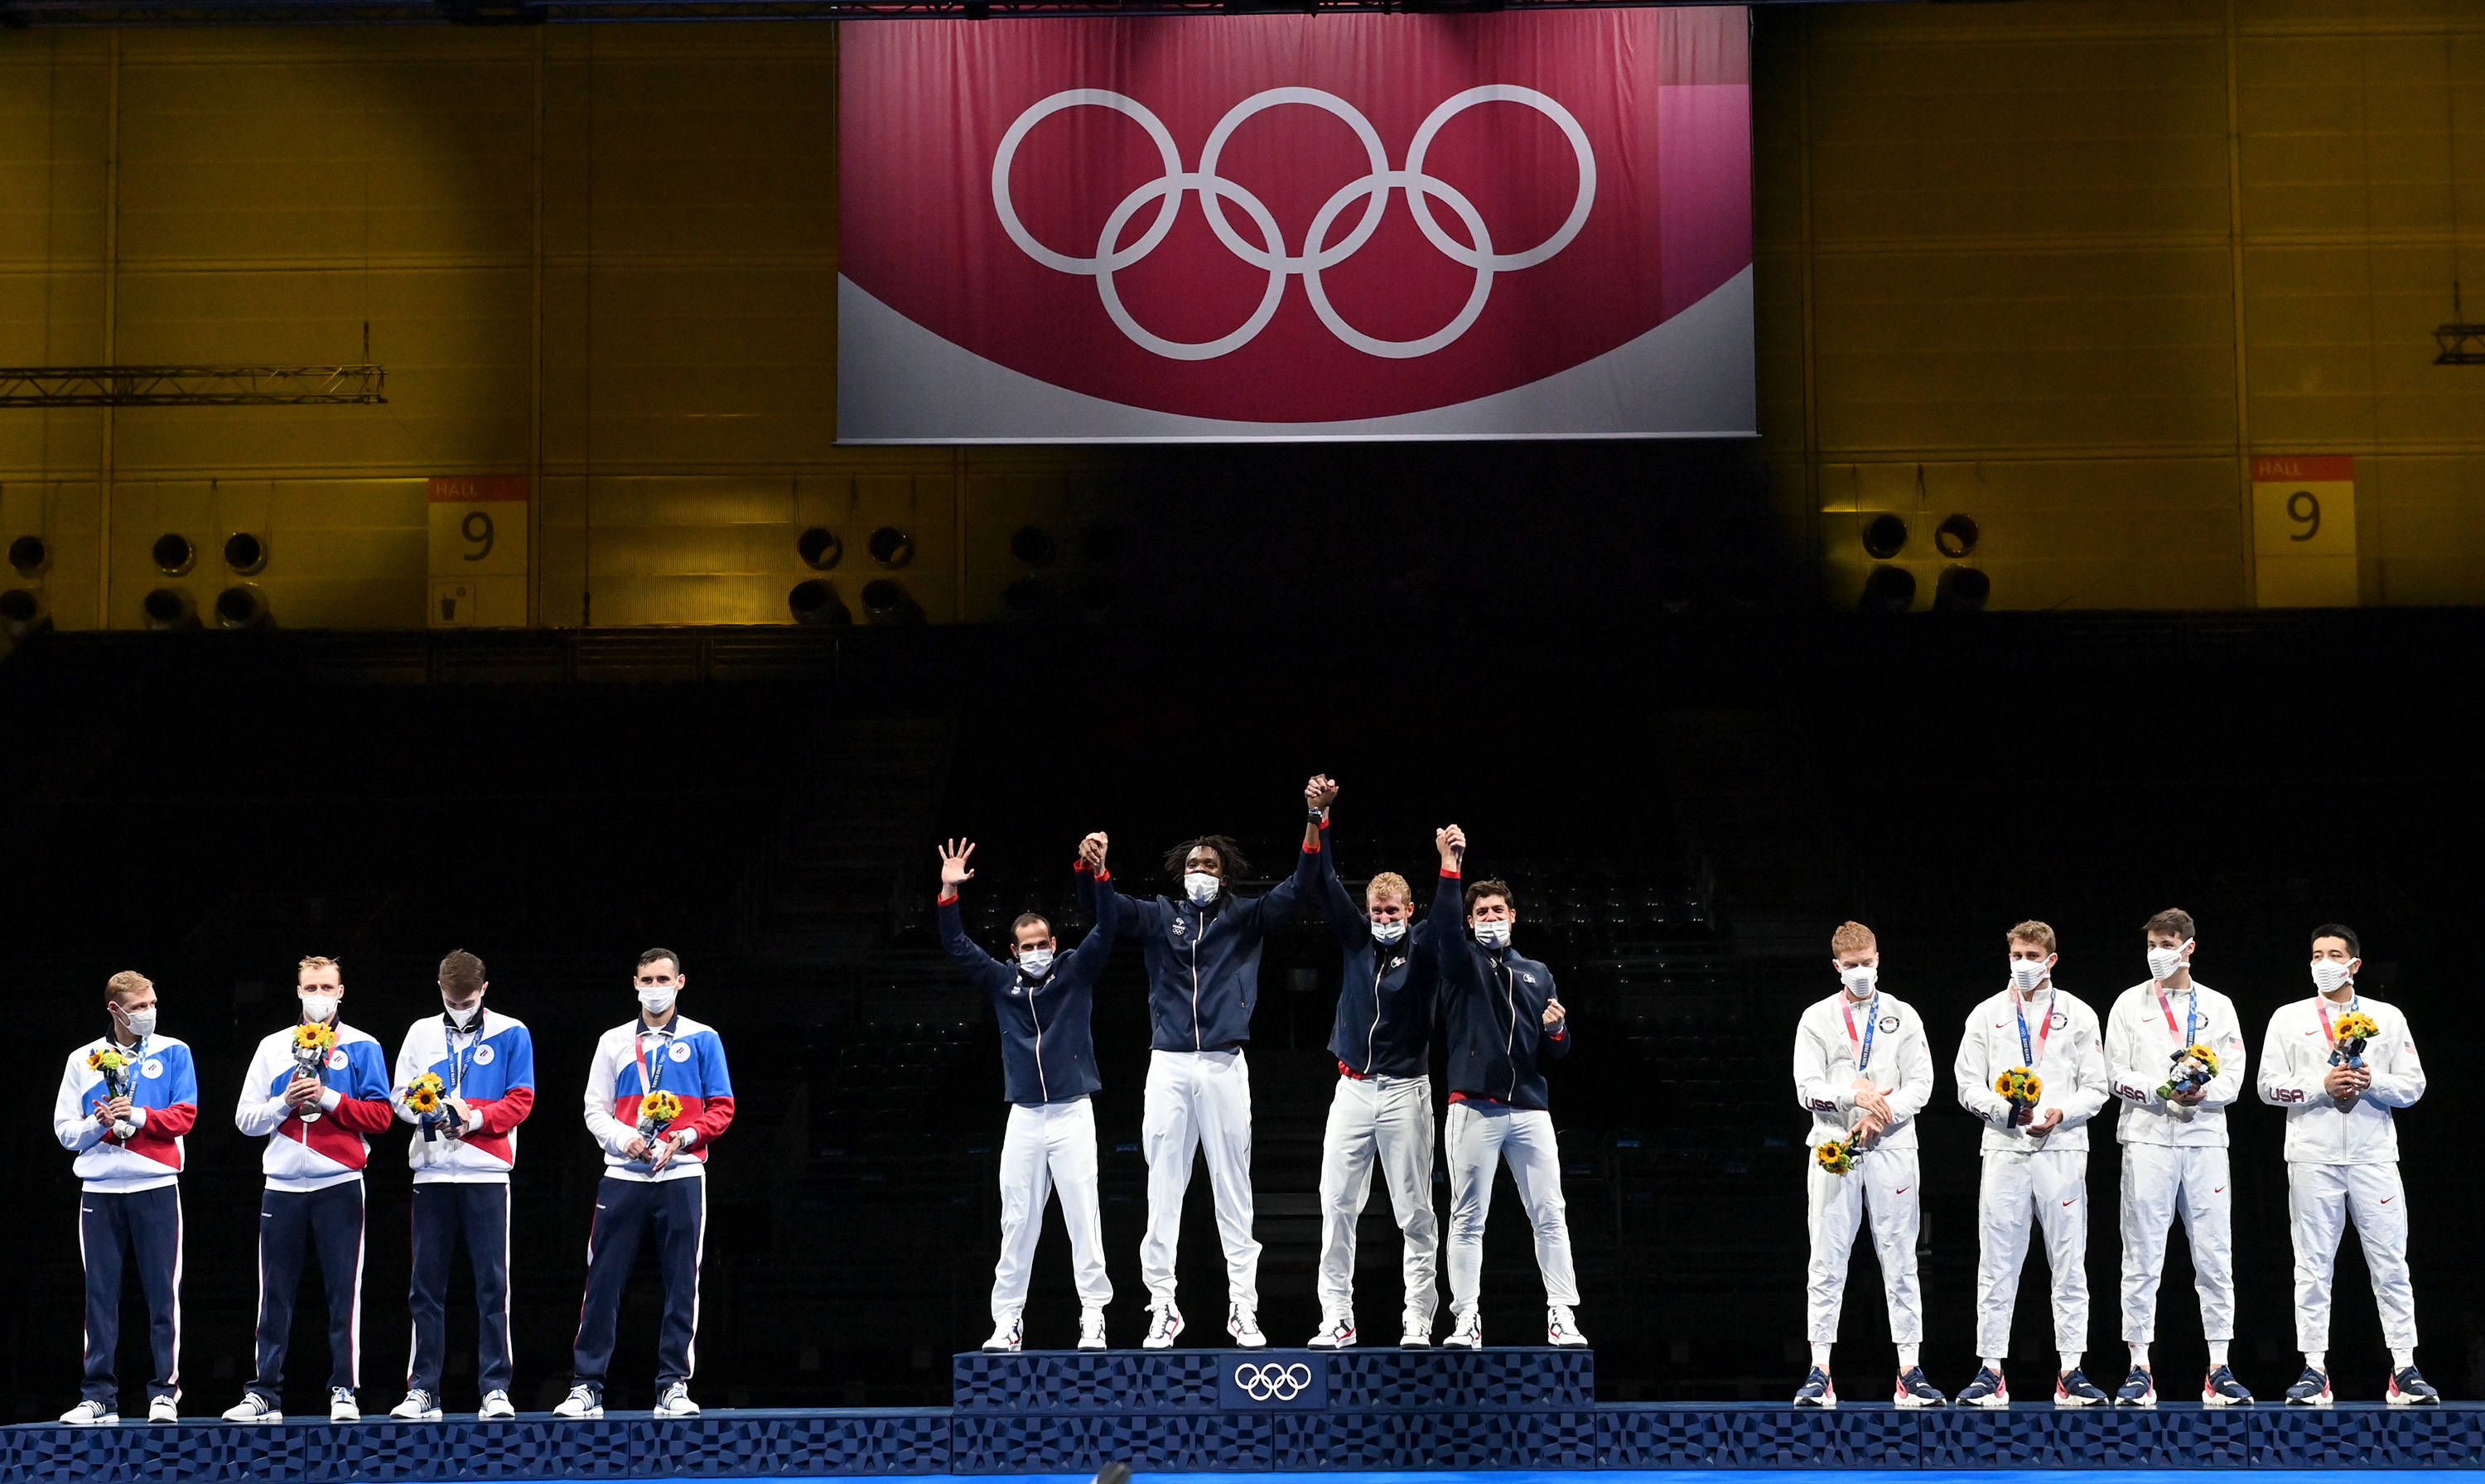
<point x="430" y="530"/>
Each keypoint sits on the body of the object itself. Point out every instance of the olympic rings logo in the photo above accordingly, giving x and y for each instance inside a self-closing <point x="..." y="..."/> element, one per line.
<point x="1272" y="1382"/>
<point x="1319" y="254"/>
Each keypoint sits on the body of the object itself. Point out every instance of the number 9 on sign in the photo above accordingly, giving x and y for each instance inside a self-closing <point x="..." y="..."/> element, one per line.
<point x="2303" y="508"/>
<point x="478" y="553"/>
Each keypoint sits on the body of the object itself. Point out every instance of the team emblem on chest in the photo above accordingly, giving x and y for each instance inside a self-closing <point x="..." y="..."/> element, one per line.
<point x="679" y="1052"/>
<point x="482" y="1056"/>
<point x="151" y="1068"/>
<point x="336" y="1059"/>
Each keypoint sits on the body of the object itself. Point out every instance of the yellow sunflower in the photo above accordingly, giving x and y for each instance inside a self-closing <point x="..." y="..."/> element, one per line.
<point x="662" y="1107"/>
<point x="1835" y="1155"/>
<point x="313" y="1036"/>
<point x="2356" y="1025"/>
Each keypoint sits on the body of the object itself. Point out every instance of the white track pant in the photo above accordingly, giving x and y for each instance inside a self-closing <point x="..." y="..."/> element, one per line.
<point x="2159" y="1183"/>
<point x="1199" y="1101"/>
<point x="1883" y="1185"/>
<point x="1391" y="1119"/>
<point x="2319" y="1201"/>
<point x="1481" y="1136"/>
<point x="1048" y="1146"/>
<point x="2051" y="1188"/>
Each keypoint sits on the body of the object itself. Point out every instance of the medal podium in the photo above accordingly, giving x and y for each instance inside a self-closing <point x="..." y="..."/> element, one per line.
<point x="1227" y="1411"/>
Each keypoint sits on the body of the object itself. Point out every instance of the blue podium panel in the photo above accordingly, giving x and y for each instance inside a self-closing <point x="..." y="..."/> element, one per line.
<point x="1074" y="1441"/>
<point x="2369" y="1436"/>
<point x="2042" y="1435"/>
<point x="1329" y="1441"/>
<point x="1090" y="1380"/>
<point x="1373" y="1380"/>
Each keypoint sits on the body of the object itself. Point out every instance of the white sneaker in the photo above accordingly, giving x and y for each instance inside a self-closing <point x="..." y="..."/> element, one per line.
<point x="253" y="1408"/>
<point x="1164" y="1324"/>
<point x="1091" y="1329"/>
<point x="1417" y="1330"/>
<point x="495" y="1408"/>
<point x="418" y="1406"/>
<point x="583" y="1401"/>
<point x="1561" y="1329"/>
<point x="164" y="1409"/>
<point x="1007" y="1335"/>
<point x="1245" y="1327"/>
<point x="91" y="1414"/>
<point x="342" y="1408"/>
<point x="1466" y="1331"/>
<point x="675" y="1402"/>
<point x="1336" y="1331"/>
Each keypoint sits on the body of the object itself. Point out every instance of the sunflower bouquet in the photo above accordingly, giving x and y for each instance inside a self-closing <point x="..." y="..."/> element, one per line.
<point x="2020" y="1088"/>
<point x="427" y="1098"/>
<point x="1836" y="1155"/>
<point x="312" y="1040"/>
<point x="2348" y="1034"/>
<point x="656" y="1110"/>
<point x="2194" y="1067"/>
<point x="115" y="1069"/>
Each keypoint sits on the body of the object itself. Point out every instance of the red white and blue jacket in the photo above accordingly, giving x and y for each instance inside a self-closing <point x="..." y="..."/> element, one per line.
<point x="492" y="1069"/>
<point x="685" y="1059"/>
<point x="304" y="1157"/>
<point x="164" y="1103"/>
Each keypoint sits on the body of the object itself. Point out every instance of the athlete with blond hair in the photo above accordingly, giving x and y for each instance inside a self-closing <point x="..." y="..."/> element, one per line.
<point x="1863" y="1070"/>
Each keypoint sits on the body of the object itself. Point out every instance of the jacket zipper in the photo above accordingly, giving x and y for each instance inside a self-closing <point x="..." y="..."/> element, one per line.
<point x="1196" y="1043"/>
<point x="1370" y="1051"/>
<point x="1041" y="1085"/>
<point x="1510" y="1045"/>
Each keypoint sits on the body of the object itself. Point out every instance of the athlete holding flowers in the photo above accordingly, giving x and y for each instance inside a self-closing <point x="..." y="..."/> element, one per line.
<point x="2032" y="1067"/>
<point x="1863" y="1070"/>
<point x="2338" y="1062"/>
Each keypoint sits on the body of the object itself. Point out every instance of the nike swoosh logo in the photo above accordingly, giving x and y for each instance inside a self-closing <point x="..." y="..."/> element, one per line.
<point x="599" y="1205"/>
<point x="2387" y="1200"/>
<point x="2074" y="1201"/>
<point x="2220" y="1191"/>
<point x="86" y="1210"/>
<point x="1901" y="1191"/>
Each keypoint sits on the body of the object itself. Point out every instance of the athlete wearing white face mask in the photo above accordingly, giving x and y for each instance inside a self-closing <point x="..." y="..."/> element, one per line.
<point x="2035" y="1159"/>
<point x="124" y="1120"/>
<point x="1380" y="1112"/>
<point x="1203" y="958"/>
<point x="1863" y="1070"/>
<point x="2342" y="1157"/>
<point x="317" y="1110"/>
<point x="654" y="1181"/>
<point x="1043" y="1004"/>
<point x="2174" y="1152"/>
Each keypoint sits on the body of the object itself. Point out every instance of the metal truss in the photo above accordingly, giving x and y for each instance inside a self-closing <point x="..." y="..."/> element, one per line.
<point x="295" y="12"/>
<point x="190" y="386"/>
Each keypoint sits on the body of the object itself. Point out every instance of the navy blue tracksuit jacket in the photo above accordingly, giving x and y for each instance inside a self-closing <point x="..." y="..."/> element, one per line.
<point x="1492" y="1007"/>
<point x="1204" y="963"/>
<point x="1048" y="1052"/>
<point x="1385" y="998"/>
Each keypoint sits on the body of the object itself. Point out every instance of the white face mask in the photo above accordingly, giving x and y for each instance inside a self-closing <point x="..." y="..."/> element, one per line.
<point x="464" y="1019"/>
<point x="2026" y="974"/>
<point x="2163" y="962"/>
<point x="657" y="1002"/>
<point x="1388" y="932"/>
<point x="319" y="1006"/>
<point x="1494" y="935"/>
<point x="2329" y="975"/>
<point x="141" y="1022"/>
<point x="1860" y="979"/>
<point x="1036" y="961"/>
<point x="1200" y="888"/>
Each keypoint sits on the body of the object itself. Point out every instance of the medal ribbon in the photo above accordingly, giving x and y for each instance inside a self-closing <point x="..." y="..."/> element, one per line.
<point x="1871" y="1023"/>
<point x="2028" y="1056"/>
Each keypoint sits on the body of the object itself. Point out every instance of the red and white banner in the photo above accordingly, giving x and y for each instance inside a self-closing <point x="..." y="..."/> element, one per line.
<point x="1514" y="224"/>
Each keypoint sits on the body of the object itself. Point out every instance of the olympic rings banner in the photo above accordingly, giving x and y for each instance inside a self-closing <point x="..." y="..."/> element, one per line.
<point x="1511" y="224"/>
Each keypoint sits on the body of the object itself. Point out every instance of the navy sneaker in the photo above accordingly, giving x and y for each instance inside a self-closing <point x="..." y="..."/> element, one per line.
<point x="1913" y="1391"/>
<point x="2073" y="1388"/>
<point x="2138" y="1390"/>
<point x="2311" y="1390"/>
<point x="1816" y="1391"/>
<point x="2408" y="1390"/>
<point x="1988" y="1389"/>
<point x="2221" y="1388"/>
